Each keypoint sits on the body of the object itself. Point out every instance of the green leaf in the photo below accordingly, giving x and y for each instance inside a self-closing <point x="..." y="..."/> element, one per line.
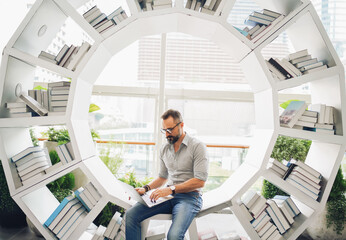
<point x="39" y="87"/>
<point x="93" y="108"/>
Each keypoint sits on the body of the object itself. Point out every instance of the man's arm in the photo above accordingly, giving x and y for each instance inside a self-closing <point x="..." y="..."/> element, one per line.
<point x="187" y="186"/>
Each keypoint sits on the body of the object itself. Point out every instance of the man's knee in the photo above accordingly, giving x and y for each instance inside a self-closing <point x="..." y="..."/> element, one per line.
<point x="175" y="234"/>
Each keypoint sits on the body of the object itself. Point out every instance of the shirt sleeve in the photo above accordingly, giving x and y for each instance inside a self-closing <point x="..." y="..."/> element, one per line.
<point x="163" y="172"/>
<point x="201" y="162"/>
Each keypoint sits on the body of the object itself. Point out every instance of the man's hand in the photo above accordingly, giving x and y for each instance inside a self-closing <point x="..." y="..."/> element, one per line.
<point x="160" y="192"/>
<point x="140" y="190"/>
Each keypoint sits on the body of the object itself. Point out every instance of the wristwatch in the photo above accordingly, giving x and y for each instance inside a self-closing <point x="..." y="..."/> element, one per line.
<point x="173" y="189"/>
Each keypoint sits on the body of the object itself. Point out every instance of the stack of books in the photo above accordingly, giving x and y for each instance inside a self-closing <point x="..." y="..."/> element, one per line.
<point x="88" y="196"/>
<point x="319" y="118"/>
<point x="68" y="57"/>
<point x="31" y="163"/>
<point x="304" y="178"/>
<point x="99" y="233"/>
<point x="149" y="5"/>
<point x="299" y="174"/>
<point x="259" y="23"/>
<point x="115" y="228"/>
<point x="274" y="218"/>
<point x="294" y="65"/>
<point x="208" y="6"/>
<point x="58" y="93"/>
<point x="65" y="153"/>
<point x="66" y="217"/>
<point x="101" y="22"/>
<point x="18" y="109"/>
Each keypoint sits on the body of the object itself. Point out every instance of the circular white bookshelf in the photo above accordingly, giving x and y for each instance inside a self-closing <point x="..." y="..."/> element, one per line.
<point x="305" y="32"/>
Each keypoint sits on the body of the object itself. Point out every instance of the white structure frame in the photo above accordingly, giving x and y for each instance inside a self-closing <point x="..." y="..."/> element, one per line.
<point x="305" y="31"/>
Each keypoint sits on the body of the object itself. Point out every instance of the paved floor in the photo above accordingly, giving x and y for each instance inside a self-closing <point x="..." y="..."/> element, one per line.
<point x="221" y="223"/>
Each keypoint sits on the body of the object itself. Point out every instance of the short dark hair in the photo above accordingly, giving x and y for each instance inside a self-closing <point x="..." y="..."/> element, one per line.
<point x="174" y="114"/>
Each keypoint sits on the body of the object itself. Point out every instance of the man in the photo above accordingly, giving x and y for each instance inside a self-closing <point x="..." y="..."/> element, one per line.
<point x="184" y="164"/>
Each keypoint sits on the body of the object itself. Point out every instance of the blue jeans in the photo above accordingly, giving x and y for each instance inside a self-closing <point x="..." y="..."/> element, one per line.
<point x="183" y="207"/>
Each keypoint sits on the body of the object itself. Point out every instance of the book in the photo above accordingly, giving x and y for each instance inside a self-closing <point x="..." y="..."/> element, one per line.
<point x="325" y="131"/>
<point x="117" y="226"/>
<point x="89" y="196"/>
<point x="25" y="152"/>
<point x="291" y="114"/>
<point x="99" y="232"/>
<point x="305" y="63"/>
<point x="59" y="84"/>
<point x="250" y="198"/>
<point x="93" y="191"/>
<point x="305" y="124"/>
<point x="305" y="184"/>
<point x="265" y="228"/>
<point x="61" y="156"/>
<point x="257" y="206"/>
<point x="32" y="162"/>
<point x="253" y="29"/>
<point x="306" y="167"/>
<point x="19" y="104"/>
<point x="111" y="225"/>
<point x="33" y="104"/>
<point x="308" y="119"/>
<point x="277" y="217"/>
<point x="277" y="65"/>
<point x="256" y="37"/>
<point x="93" y="16"/>
<point x="290" y="202"/>
<point x="115" y="12"/>
<point x="70" y="150"/>
<point x="275" y="71"/>
<point x="86" y="200"/>
<point x="269" y="232"/>
<point x="275" y="168"/>
<point x="315" y="69"/>
<point x="60" y="91"/>
<point x="55" y="213"/>
<point x="67" y="211"/>
<point x="252" y="21"/>
<point x="90" y="11"/>
<point x="157" y="7"/>
<point x="275" y="236"/>
<point x="263" y="222"/>
<point x="324" y="126"/>
<point x="81" y="199"/>
<point x="302" y="188"/>
<point x="301" y="59"/>
<point x="258" y="31"/>
<point x="271" y="13"/>
<point x="311" y="66"/>
<point x="30" y="157"/>
<point x="246" y="34"/>
<point x="61" y="54"/>
<point x="306" y="179"/>
<point x="162" y="2"/>
<point x="33" y="179"/>
<point x="246" y="212"/>
<point x="257" y="220"/>
<point x="320" y="108"/>
<point x="58" y="103"/>
<point x="307" y="174"/>
<point x="66" y="218"/>
<point x="278" y="164"/>
<point x="264" y="16"/>
<point x="298" y="54"/>
<point x="71" y="224"/>
<point x="67" y="56"/>
<point x="77" y="56"/>
<point x="295" y="72"/>
<point x="33" y="173"/>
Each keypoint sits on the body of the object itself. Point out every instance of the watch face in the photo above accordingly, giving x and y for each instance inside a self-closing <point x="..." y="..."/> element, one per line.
<point x="172" y="188"/>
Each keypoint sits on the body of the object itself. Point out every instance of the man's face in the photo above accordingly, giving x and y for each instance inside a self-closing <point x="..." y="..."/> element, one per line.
<point x="175" y="129"/>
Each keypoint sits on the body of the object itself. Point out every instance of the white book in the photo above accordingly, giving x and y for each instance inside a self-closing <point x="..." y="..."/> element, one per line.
<point x="70" y="150"/>
<point x="325" y="131"/>
<point x="193" y="4"/>
<point x="263" y="222"/>
<point x="116" y="228"/>
<point x="254" y="29"/>
<point x="307" y="174"/>
<point x="19" y="104"/>
<point x="290" y="202"/>
<point x="305" y="184"/>
<point x="198" y="6"/>
<point x="67" y="211"/>
<point x="301" y="59"/>
<point x="275" y="219"/>
<point x="61" y="155"/>
<point x="46" y="55"/>
<point x="67" y="55"/>
<point x="61" y="54"/>
<point x="31" y="157"/>
<point x="59" y="97"/>
<point x="302" y="188"/>
<point x="327" y="114"/>
<point x="33" y="179"/>
<point x="250" y="198"/>
<point x="59" y="84"/>
<point x="315" y="69"/>
<point x="276" y="169"/>
<point x="162" y="6"/>
<point x="306" y="179"/>
<point x="308" y="119"/>
<point x="162" y="2"/>
<point x="305" y="63"/>
<point x="58" y="109"/>
<point x="111" y="224"/>
<point x="261" y="15"/>
<point x="305" y="124"/>
<point x="99" y="232"/>
<point x="72" y="224"/>
<point x="311" y="66"/>
<point x="269" y="232"/>
<point x="188" y="4"/>
<point x="256" y="37"/>
<point x="86" y="200"/>
<point x="19" y="115"/>
<point x="19" y="110"/>
<point x="281" y="202"/>
<point x="31" y="162"/>
<point x="66" y="153"/>
<point x="279" y="214"/>
<point x="286" y="213"/>
<point x="212" y="4"/>
<point x="276" y="72"/>
<point x="309" y="113"/>
<point x="90" y="11"/>
<point x="271" y="13"/>
<point x="324" y="126"/>
<point x="246" y="212"/>
<point x="34" y="105"/>
<point x="274" y="236"/>
<point x="255" y="222"/>
<point x="66" y="218"/>
<point x="58" y="103"/>
<point x="33" y="167"/>
<point x="93" y="16"/>
<point x="258" y="31"/>
<point x="115" y="12"/>
<point x="26" y="152"/>
<point x="298" y="54"/>
<point x="306" y="167"/>
<point x="264" y="228"/>
<point x="89" y="196"/>
<point x="77" y="56"/>
<point x="291" y="67"/>
<point x="91" y="188"/>
<point x="33" y="173"/>
<point x="320" y="108"/>
<point x="278" y="164"/>
<point x="256" y="208"/>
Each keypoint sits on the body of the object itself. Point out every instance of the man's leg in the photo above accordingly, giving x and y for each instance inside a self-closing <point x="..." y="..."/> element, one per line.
<point x="136" y="214"/>
<point x="186" y="206"/>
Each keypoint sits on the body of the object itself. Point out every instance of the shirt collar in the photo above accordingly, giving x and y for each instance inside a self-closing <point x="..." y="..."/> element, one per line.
<point x="186" y="139"/>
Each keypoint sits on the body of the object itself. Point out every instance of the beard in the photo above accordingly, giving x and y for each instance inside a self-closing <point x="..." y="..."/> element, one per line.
<point x="173" y="139"/>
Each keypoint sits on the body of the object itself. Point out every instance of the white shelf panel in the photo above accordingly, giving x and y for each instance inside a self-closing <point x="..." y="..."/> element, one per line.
<point x="304" y="134"/>
<point x="35" y="61"/>
<point x="32" y="121"/>
<point x="297" y="81"/>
